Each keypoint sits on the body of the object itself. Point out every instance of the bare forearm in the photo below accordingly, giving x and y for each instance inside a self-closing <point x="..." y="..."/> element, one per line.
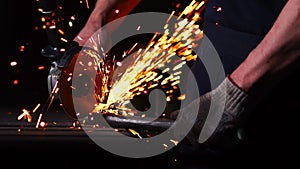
<point x="95" y="20"/>
<point x="279" y="49"/>
<point x="102" y="14"/>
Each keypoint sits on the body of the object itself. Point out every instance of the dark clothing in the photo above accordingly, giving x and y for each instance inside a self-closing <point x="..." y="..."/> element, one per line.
<point x="236" y="27"/>
<point x="252" y="16"/>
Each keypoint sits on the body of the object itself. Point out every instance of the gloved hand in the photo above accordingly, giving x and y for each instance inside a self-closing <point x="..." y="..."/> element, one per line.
<point x="220" y="110"/>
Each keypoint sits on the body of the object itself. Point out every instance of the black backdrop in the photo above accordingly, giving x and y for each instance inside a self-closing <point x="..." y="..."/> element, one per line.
<point x="274" y="128"/>
<point x="21" y="26"/>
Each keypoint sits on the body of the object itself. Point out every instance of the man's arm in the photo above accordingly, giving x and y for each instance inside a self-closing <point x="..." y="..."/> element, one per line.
<point x="279" y="49"/>
<point x="102" y="14"/>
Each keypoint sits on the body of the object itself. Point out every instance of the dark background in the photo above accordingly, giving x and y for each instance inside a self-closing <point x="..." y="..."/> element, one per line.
<point x="21" y="25"/>
<point x="271" y="137"/>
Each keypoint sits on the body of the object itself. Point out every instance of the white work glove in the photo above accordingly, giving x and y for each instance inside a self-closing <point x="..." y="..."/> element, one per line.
<point x="220" y="110"/>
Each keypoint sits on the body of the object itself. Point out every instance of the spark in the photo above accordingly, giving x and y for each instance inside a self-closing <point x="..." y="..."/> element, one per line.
<point x="43" y="124"/>
<point x="135" y="133"/>
<point x="181" y="97"/>
<point x="165" y="146"/>
<point x="63" y="39"/>
<point x="132" y="48"/>
<point x="175" y="142"/>
<point x="37" y="106"/>
<point x="41" y="67"/>
<point x="22" y="48"/>
<point x="39" y="120"/>
<point x="70" y="24"/>
<point x="16" y="82"/>
<point x="173" y="12"/>
<point x="61" y="31"/>
<point x="13" y="63"/>
<point x="25" y="115"/>
<point x="87" y="4"/>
